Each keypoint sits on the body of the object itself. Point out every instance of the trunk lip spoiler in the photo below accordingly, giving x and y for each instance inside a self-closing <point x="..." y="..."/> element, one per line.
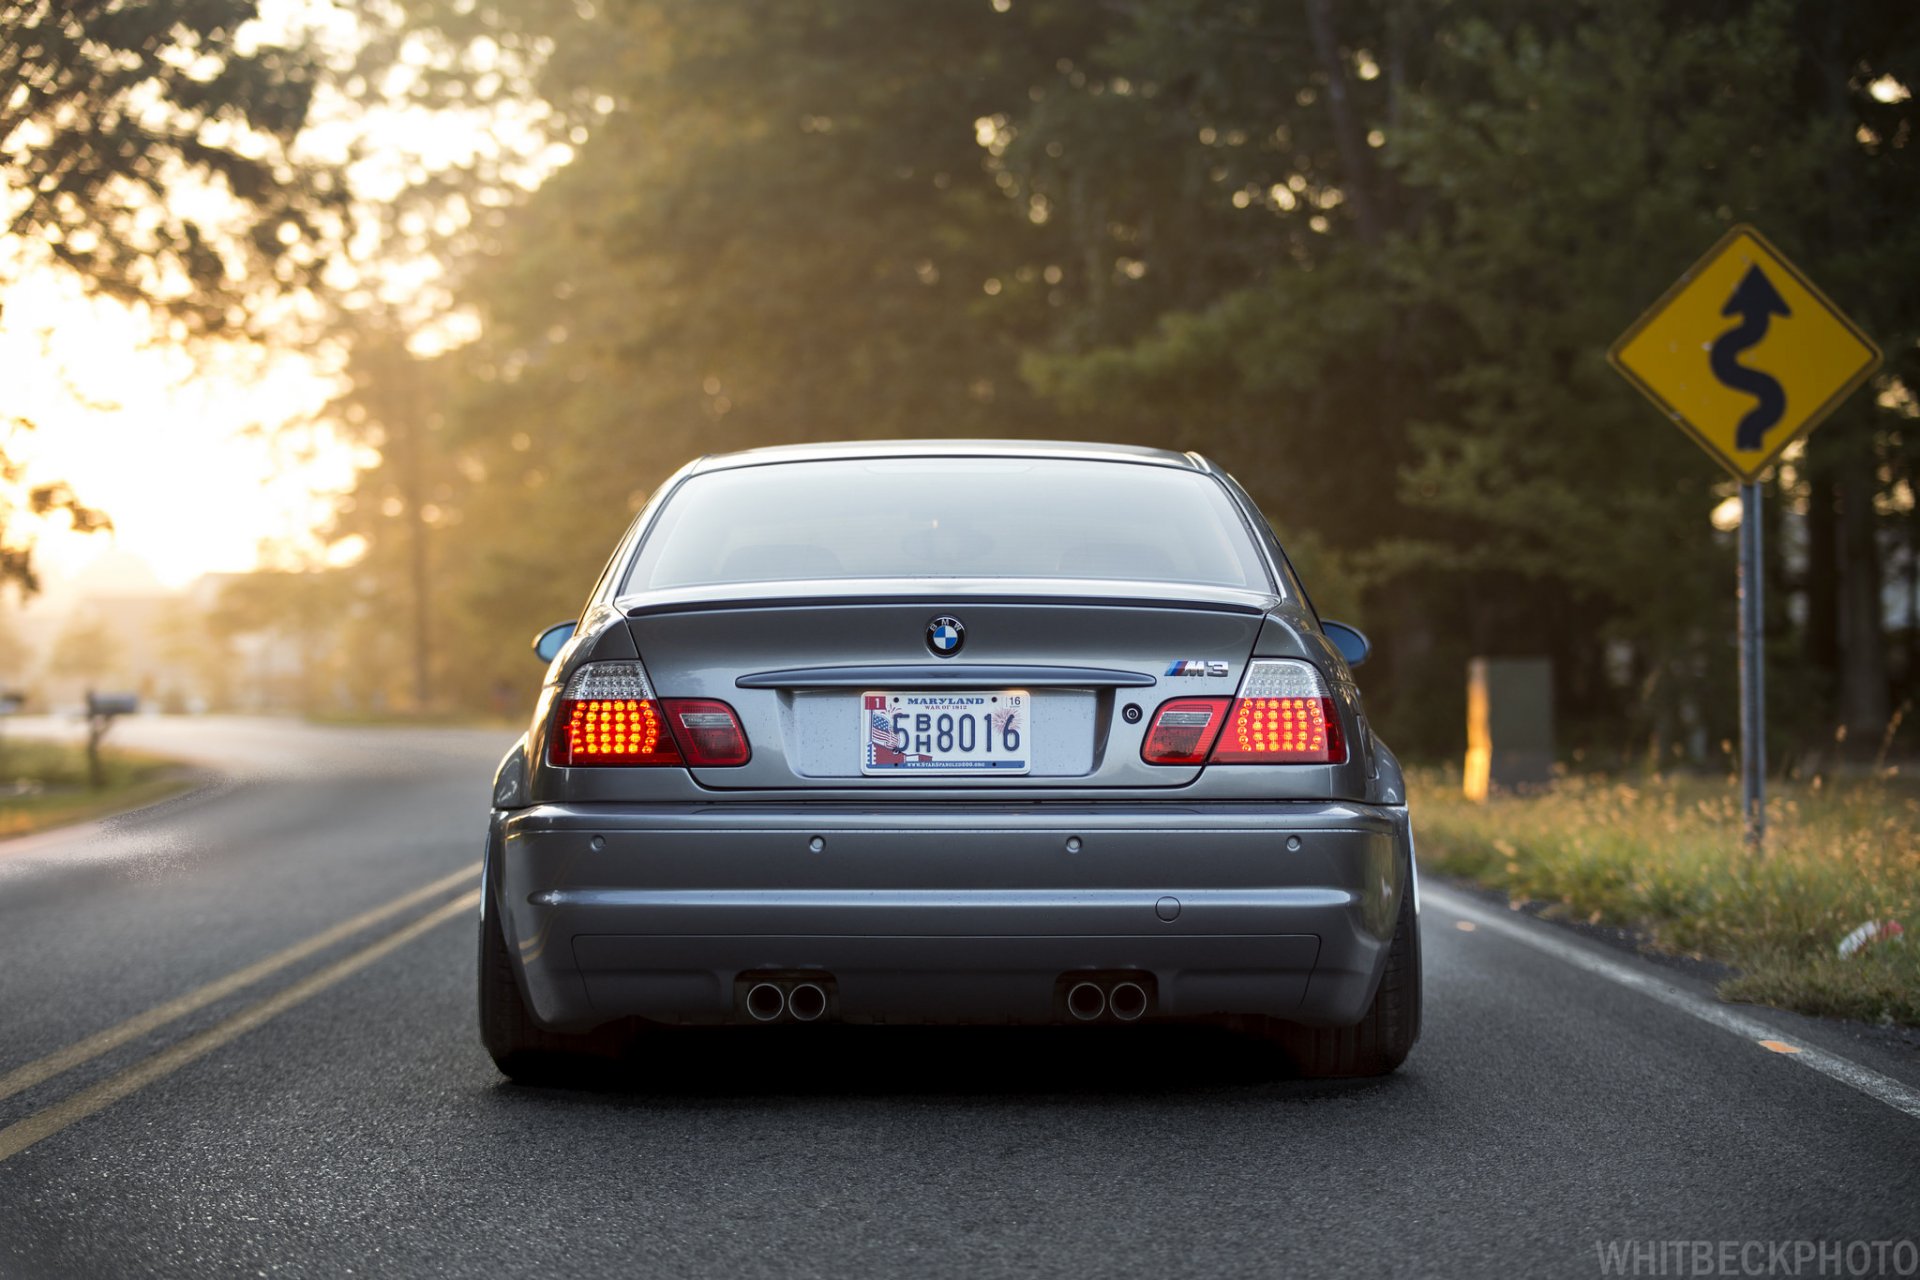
<point x="1247" y="604"/>
<point x="917" y="676"/>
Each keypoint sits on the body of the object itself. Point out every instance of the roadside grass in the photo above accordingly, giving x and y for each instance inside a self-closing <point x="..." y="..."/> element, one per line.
<point x="1664" y="856"/>
<point x="44" y="784"/>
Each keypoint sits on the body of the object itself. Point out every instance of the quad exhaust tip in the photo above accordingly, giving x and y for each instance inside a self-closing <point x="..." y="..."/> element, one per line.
<point x="1128" y="1000"/>
<point x="1096" y="997"/>
<point x="765" y="1001"/>
<point x="805" y="1002"/>
<point x="1086" y="1001"/>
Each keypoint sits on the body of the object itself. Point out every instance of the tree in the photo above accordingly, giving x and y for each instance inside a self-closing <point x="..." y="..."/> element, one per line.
<point x="1540" y="176"/>
<point x="397" y="403"/>
<point x="108" y="110"/>
<point x="148" y="149"/>
<point x="1367" y="254"/>
<point x="26" y="507"/>
<point x="88" y="649"/>
<point x="731" y="259"/>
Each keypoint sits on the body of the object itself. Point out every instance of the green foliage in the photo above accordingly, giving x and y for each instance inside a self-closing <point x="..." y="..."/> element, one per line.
<point x="1369" y="255"/>
<point x="27" y="507"/>
<point x="733" y="258"/>
<point x="333" y="636"/>
<point x="149" y="149"/>
<point x="107" y="109"/>
<point x="1541" y="177"/>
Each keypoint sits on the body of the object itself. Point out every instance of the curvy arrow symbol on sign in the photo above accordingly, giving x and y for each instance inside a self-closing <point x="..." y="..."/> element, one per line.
<point x="1756" y="302"/>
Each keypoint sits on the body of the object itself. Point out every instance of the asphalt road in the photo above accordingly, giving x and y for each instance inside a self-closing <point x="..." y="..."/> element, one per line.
<point x="331" y="1113"/>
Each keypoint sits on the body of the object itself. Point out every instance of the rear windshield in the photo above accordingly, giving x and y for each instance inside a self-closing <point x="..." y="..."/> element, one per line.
<point x="949" y="518"/>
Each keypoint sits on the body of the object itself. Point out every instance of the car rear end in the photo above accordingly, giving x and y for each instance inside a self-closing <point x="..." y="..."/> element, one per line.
<point x="983" y="734"/>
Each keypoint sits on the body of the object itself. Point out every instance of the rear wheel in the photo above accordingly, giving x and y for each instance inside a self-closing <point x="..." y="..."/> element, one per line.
<point x="524" y="1050"/>
<point x="1380" y="1041"/>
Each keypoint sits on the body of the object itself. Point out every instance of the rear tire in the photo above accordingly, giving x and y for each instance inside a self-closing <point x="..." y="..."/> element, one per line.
<point x="525" y="1051"/>
<point x="1378" y="1043"/>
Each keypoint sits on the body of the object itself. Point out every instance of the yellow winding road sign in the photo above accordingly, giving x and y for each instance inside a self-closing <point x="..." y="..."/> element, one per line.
<point x="1745" y="354"/>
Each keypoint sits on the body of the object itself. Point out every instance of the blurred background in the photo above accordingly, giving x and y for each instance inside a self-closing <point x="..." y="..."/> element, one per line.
<point x="341" y="341"/>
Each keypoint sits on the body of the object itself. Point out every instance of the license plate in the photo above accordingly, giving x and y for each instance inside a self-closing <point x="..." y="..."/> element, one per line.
<point x="986" y="732"/>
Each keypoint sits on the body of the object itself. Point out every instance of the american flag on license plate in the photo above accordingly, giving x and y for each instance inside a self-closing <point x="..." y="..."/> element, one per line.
<point x="883" y="734"/>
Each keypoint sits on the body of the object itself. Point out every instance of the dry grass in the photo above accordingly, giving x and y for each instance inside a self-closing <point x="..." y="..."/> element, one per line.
<point x="44" y="784"/>
<point x="1665" y="856"/>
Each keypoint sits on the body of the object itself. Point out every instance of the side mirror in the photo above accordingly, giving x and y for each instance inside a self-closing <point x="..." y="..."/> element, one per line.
<point x="549" y="642"/>
<point x="1350" y="641"/>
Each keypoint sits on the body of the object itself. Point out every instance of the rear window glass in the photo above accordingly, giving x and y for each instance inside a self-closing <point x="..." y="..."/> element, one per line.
<point x="948" y="518"/>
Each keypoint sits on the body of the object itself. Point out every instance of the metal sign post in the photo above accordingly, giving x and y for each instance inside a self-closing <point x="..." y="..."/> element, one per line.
<point x="1745" y="355"/>
<point x="1753" y="670"/>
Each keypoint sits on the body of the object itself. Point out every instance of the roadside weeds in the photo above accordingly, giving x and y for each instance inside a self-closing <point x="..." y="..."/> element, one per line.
<point x="1663" y="856"/>
<point x="43" y="784"/>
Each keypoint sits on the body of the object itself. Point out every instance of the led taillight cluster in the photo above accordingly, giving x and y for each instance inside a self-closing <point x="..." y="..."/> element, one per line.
<point x="608" y="715"/>
<point x="1280" y="731"/>
<point x="614" y="731"/>
<point x="1284" y="714"/>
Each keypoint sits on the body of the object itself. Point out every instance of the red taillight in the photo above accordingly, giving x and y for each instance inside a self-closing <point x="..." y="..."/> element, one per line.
<point x="1183" y="730"/>
<point x="1283" y="715"/>
<point x="1281" y="731"/>
<point x="608" y="715"/>
<point x="708" y="732"/>
<point x="610" y="731"/>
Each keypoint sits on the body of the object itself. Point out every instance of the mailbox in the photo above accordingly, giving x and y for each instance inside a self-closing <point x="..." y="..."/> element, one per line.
<point x="112" y="704"/>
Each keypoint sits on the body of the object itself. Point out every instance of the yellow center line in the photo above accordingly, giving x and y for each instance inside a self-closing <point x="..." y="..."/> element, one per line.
<point x="63" y="1060"/>
<point x="17" y="1137"/>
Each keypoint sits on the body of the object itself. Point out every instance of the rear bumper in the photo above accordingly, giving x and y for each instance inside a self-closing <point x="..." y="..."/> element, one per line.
<point x="941" y="913"/>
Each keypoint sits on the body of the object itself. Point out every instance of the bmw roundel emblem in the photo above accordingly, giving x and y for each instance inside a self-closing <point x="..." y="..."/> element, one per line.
<point x="945" y="635"/>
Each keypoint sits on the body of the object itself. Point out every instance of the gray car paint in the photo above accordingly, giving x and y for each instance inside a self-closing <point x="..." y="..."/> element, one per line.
<point x="643" y="892"/>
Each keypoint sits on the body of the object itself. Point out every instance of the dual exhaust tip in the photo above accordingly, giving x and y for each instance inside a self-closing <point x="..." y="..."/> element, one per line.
<point x="1125" y="1001"/>
<point x="803" y="1002"/>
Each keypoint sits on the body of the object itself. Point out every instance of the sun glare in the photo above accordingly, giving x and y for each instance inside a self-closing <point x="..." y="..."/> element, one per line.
<point x="189" y="459"/>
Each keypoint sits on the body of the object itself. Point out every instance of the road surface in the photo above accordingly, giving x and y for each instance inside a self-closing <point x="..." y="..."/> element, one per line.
<point x="237" y="1038"/>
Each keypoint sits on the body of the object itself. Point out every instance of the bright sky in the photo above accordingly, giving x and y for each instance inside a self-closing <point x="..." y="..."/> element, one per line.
<point x="162" y="445"/>
<point x="194" y="461"/>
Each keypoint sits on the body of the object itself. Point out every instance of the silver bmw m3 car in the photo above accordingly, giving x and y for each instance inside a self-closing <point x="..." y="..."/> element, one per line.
<point x="950" y="732"/>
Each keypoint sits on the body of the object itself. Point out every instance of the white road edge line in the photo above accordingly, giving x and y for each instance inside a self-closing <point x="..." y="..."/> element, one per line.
<point x="1540" y="937"/>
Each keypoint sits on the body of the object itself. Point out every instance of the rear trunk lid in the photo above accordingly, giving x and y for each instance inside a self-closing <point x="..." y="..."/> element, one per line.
<point x="838" y="685"/>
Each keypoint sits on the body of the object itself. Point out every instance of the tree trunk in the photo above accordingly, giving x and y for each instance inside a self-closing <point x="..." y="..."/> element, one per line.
<point x="1910" y="676"/>
<point x="1347" y="135"/>
<point x="1397" y="24"/>
<point x="1864" y="704"/>
<point x="1822" y="579"/>
<point x="413" y="479"/>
